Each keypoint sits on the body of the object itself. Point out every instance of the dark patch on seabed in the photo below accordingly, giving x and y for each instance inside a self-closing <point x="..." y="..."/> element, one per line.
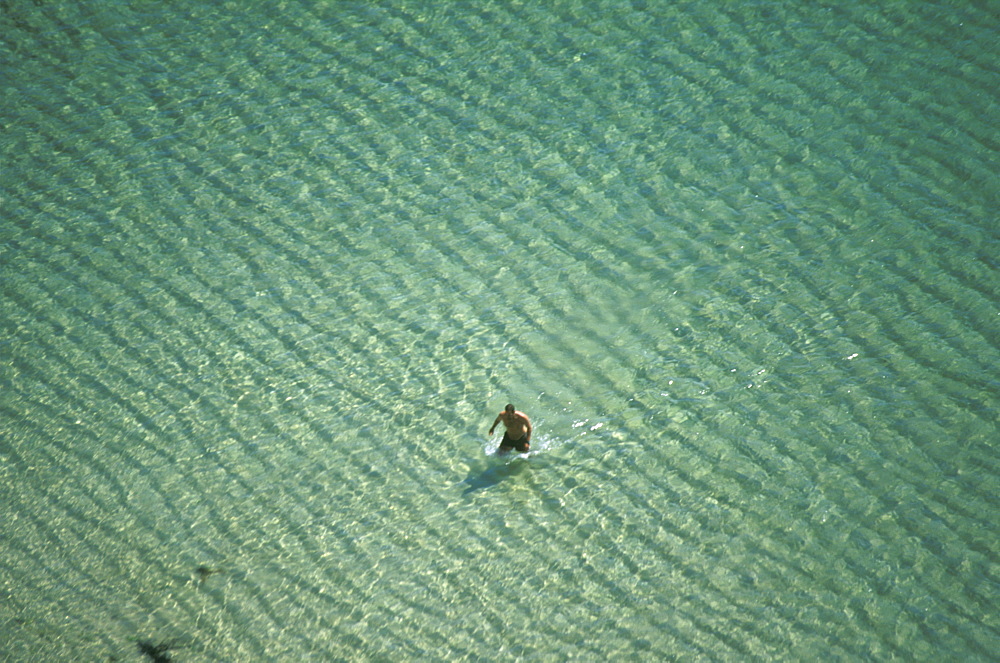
<point x="158" y="653"/>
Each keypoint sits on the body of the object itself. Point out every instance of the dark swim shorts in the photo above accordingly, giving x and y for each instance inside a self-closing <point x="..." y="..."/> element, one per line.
<point x="506" y="444"/>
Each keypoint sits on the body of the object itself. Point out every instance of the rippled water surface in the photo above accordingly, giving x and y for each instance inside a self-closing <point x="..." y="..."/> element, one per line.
<point x="270" y="270"/>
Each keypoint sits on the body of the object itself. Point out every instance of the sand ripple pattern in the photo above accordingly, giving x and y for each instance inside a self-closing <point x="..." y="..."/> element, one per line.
<point x="268" y="273"/>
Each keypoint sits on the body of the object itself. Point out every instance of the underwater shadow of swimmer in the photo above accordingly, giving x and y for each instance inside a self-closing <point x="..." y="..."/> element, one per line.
<point x="491" y="476"/>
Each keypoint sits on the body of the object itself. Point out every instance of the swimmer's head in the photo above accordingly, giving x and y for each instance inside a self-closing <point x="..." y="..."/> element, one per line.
<point x="509" y="408"/>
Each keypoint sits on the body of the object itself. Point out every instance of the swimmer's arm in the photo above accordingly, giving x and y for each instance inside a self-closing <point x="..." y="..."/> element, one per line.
<point x="528" y="431"/>
<point x="495" y="422"/>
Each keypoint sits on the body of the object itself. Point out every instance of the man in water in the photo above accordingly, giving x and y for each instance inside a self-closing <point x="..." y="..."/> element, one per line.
<point x="518" y="433"/>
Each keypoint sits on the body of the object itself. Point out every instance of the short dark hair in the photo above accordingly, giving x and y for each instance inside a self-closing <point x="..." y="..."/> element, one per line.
<point x="509" y="408"/>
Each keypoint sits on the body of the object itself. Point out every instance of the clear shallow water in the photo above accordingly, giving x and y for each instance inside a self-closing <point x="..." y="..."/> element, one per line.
<point x="269" y="275"/>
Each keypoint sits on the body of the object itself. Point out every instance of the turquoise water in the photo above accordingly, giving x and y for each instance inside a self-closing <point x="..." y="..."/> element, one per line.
<point x="270" y="271"/>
